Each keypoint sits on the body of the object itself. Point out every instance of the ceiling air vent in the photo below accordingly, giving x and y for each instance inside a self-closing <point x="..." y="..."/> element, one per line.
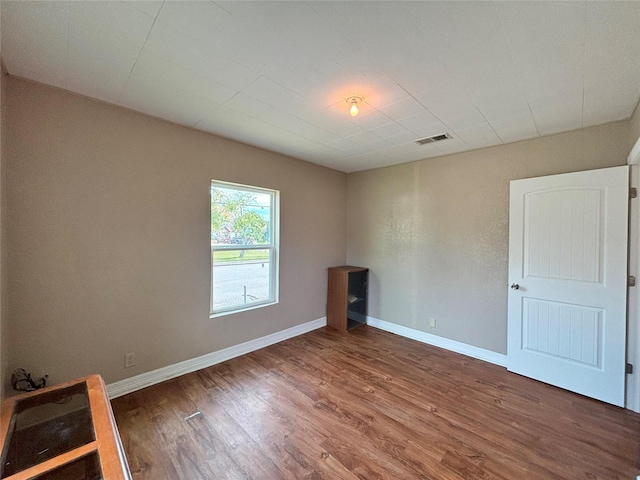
<point x="435" y="138"/>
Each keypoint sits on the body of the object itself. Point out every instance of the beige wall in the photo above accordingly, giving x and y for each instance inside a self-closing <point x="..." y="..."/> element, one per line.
<point x="4" y="338"/>
<point x="108" y="221"/>
<point x="435" y="232"/>
<point x="107" y="226"/>
<point x="634" y="127"/>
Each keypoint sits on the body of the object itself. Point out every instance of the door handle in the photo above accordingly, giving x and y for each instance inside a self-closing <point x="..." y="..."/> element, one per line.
<point x="515" y="286"/>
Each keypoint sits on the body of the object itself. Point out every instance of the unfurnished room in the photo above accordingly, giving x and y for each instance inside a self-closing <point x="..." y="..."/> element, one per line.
<point x="319" y="240"/>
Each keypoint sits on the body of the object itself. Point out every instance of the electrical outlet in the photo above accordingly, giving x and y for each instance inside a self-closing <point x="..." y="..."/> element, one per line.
<point x="129" y="360"/>
<point x="432" y="322"/>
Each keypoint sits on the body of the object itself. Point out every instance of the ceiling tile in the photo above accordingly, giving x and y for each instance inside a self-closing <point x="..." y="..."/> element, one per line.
<point x="316" y="134"/>
<point x="344" y="145"/>
<point x="277" y="74"/>
<point x="203" y="21"/>
<point x="370" y="141"/>
<point x="150" y="7"/>
<point x="543" y="35"/>
<point x="516" y="127"/>
<point x="423" y="125"/>
<point x="450" y="97"/>
<point x="159" y="88"/>
<point x="388" y="153"/>
<point x="504" y="107"/>
<point x="393" y="132"/>
<point x="370" y="120"/>
<point x="34" y="40"/>
<point x="180" y="49"/>
<point x="547" y="83"/>
<point x="323" y="154"/>
<point x="268" y="91"/>
<point x="203" y="87"/>
<point x="612" y="66"/>
<point x="289" y="43"/>
<point x="181" y="108"/>
<point x="429" y="151"/>
<point x="510" y="117"/>
<point x="285" y="21"/>
<point x="458" y="119"/>
<point x="274" y="136"/>
<point x="99" y="63"/>
<point x="225" y="121"/>
<point x="478" y="136"/>
<point x="274" y="116"/>
<point x="610" y="33"/>
<point x="154" y="74"/>
<point x="484" y="142"/>
<point x="251" y="106"/>
<point x="371" y="160"/>
<point x="385" y="34"/>
<point x="402" y="138"/>
<point x="468" y="38"/>
<point x="296" y="106"/>
<point x="91" y="82"/>
<point x="379" y="31"/>
<point x="235" y="125"/>
<point x="559" y="114"/>
<point x="403" y="109"/>
<point x="174" y="46"/>
<point x="117" y="19"/>
<point x="421" y="150"/>
<point x="608" y="98"/>
<point x="452" y="145"/>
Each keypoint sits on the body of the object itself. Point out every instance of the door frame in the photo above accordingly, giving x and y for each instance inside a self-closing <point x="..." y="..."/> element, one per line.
<point x="633" y="326"/>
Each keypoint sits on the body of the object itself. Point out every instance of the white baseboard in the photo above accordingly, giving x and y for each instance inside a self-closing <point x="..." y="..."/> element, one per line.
<point x="129" y="385"/>
<point x="452" y="345"/>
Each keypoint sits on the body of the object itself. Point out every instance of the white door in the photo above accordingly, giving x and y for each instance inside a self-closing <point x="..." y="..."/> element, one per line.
<point x="568" y="279"/>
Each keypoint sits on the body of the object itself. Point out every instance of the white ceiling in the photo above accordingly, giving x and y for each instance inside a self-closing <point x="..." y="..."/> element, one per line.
<point x="276" y="74"/>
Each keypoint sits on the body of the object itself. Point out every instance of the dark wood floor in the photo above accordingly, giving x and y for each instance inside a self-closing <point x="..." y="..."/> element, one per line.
<point x="369" y="404"/>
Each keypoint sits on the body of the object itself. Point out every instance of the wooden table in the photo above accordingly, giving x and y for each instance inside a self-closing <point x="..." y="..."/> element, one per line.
<point x="65" y="431"/>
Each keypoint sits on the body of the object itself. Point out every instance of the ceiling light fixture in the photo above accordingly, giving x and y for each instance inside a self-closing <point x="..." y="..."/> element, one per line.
<point x="353" y="101"/>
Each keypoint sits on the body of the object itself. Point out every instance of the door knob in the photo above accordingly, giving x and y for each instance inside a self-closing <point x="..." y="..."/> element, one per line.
<point x="515" y="286"/>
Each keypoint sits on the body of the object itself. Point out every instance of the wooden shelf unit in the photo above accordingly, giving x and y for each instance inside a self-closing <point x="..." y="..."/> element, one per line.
<point x="63" y="432"/>
<point x="347" y="297"/>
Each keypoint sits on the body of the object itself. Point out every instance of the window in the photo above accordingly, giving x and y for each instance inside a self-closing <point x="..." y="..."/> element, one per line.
<point x="244" y="247"/>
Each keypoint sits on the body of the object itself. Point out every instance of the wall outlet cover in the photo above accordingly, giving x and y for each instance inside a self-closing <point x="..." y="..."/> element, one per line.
<point x="129" y="360"/>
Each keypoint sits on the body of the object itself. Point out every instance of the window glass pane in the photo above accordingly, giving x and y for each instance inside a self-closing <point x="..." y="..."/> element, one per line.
<point x="240" y="217"/>
<point x="84" y="468"/>
<point x="240" y="277"/>
<point x="48" y="425"/>
<point x="244" y="242"/>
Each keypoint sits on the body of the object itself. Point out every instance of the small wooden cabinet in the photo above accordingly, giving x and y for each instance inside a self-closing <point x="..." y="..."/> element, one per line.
<point x="347" y="297"/>
<point x="63" y="432"/>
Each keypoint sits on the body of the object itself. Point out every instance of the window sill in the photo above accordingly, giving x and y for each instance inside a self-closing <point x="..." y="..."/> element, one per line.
<point x="243" y="309"/>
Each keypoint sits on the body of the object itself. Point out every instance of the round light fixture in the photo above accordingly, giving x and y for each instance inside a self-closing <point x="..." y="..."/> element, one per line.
<point x="353" y="101"/>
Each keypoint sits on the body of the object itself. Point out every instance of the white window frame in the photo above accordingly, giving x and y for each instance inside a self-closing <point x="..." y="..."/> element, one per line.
<point x="272" y="246"/>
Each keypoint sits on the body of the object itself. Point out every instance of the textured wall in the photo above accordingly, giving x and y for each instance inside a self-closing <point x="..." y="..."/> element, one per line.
<point x="634" y="128"/>
<point x="108" y="221"/>
<point x="435" y="232"/>
<point x="4" y="318"/>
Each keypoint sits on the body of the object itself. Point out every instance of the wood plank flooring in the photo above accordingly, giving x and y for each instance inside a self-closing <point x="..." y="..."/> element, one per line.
<point x="369" y="404"/>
